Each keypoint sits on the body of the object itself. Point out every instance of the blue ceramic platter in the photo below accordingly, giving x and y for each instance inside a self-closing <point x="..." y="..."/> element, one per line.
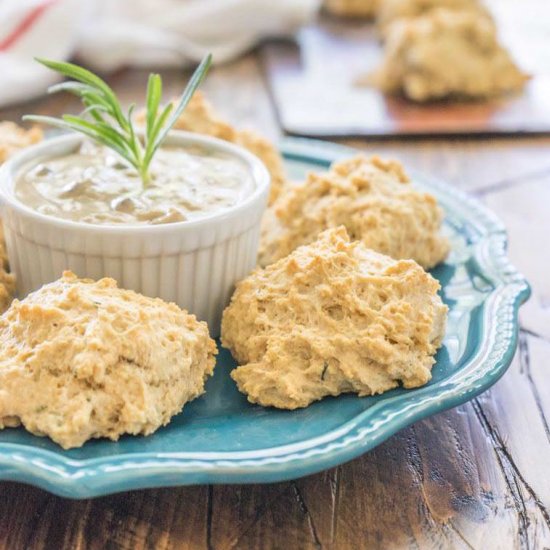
<point x="221" y="438"/>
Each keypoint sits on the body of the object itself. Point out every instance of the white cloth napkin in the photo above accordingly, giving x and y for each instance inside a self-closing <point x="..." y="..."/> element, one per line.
<point x="109" y="34"/>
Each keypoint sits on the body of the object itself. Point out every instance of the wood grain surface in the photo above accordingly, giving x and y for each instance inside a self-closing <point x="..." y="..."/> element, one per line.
<point x="473" y="477"/>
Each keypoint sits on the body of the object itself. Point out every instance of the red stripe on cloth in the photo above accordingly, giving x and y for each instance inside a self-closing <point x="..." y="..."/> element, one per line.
<point x="25" y="24"/>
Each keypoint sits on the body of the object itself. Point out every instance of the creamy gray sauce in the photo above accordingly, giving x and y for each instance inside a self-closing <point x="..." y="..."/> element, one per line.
<point x="94" y="185"/>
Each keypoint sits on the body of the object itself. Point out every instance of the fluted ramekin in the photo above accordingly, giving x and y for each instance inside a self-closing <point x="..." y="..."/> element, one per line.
<point x="193" y="263"/>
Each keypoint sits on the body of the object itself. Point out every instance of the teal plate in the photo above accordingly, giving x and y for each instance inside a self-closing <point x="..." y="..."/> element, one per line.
<point x="221" y="438"/>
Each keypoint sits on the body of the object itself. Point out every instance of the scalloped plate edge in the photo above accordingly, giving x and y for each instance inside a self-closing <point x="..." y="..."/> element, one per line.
<point x="97" y="477"/>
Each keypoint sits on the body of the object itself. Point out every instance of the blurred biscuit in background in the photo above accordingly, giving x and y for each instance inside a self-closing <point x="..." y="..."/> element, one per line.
<point x="13" y="138"/>
<point x="390" y="11"/>
<point x="352" y="8"/>
<point x="446" y="54"/>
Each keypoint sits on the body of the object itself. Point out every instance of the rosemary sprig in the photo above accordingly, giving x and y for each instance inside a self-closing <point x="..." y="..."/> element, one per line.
<point x="104" y="121"/>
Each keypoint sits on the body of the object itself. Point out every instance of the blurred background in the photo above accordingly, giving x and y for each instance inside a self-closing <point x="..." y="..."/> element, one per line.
<point x="107" y="35"/>
<point x="316" y="57"/>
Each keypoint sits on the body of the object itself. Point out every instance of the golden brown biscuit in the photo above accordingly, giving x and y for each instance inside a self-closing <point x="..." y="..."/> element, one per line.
<point x="372" y="198"/>
<point x="352" y="8"/>
<point x="81" y="359"/>
<point x="390" y="11"/>
<point x="7" y="279"/>
<point x="446" y="54"/>
<point x="13" y="138"/>
<point x="269" y="155"/>
<point x="331" y="318"/>
<point x="200" y="117"/>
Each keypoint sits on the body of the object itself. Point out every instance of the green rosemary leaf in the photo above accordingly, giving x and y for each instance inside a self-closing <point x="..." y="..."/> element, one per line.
<point x="154" y="95"/>
<point x="101" y="128"/>
<point x="94" y="111"/>
<point x="161" y="121"/>
<point x="175" y="113"/>
<point x="87" y="93"/>
<point x="152" y="138"/>
<point x="78" y="73"/>
<point x="135" y="146"/>
<point x="91" y="99"/>
<point x="89" y="131"/>
<point x="82" y="76"/>
<point x="41" y="119"/>
<point x="76" y="88"/>
<point x="190" y="89"/>
<point x="87" y="77"/>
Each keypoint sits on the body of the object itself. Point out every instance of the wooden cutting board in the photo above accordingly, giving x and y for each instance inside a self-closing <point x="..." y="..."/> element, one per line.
<point x="313" y="82"/>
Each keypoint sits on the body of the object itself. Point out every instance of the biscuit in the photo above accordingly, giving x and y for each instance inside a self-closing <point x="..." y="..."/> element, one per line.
<point x="81" y="359"/>
<point x="7" y="279"/>
<point x="200" y="117"/>
<point x="352" y="8"/>
<point x="446" y="54"/>
<point x="333" y="317"/>
<point x="390" y="11"/>
<point x="372" y="198"/>
<point x="13" y="138"/>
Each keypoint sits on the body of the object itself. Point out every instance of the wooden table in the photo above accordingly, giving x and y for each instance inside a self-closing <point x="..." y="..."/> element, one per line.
<point x="474" y="477"/>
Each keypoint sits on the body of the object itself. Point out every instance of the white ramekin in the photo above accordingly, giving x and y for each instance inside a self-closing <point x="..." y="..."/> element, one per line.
<point x="193" y="263"/>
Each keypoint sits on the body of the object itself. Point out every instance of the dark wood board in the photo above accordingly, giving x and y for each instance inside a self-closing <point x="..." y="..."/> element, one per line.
<point x="313" y="83"/>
